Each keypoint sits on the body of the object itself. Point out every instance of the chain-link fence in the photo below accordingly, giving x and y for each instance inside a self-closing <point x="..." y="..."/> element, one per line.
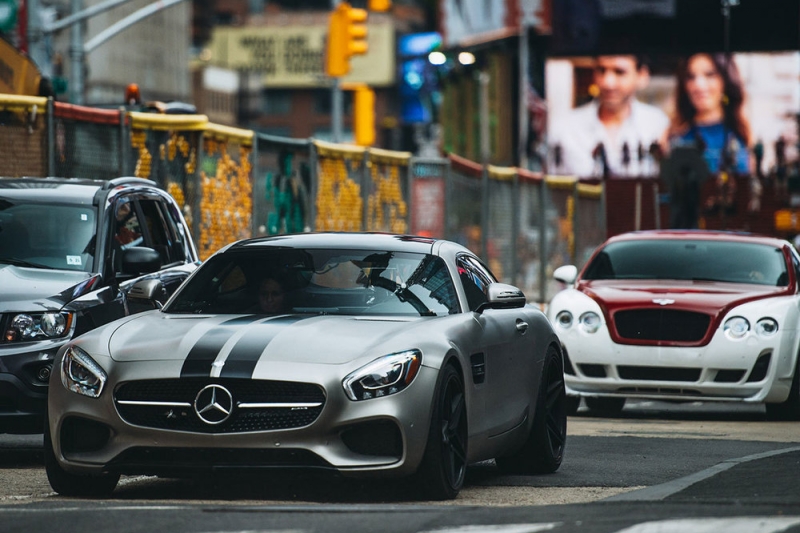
<point x="339" y="204"/>
<point x="282" y="185"/>
<point x="233" y="183"/>
<point x="387" y="191"/>
<point x="88" y="142"/>
<point x="24" y="130"/>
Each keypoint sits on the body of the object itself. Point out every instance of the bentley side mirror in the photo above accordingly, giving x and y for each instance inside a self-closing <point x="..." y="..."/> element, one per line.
<point x="566" y="274"/>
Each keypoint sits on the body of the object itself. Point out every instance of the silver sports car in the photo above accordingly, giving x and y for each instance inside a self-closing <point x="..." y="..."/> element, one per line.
<point x="365" y="354"/>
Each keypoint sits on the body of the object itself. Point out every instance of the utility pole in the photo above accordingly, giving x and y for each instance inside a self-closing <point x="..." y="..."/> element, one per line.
<point x="337" y="100"/>
<point x="78" y="50"/>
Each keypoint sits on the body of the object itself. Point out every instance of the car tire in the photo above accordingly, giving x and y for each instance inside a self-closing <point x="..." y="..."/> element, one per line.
<point x="605" y="406"/>
<point x="444" y="465"/>
<point x="543" y="451"/>
<point x="68" y="484"/>
<point x="790" y="408"/>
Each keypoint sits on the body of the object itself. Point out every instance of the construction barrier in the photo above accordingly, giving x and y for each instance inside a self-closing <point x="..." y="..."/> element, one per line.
<point x="233" y="183"/>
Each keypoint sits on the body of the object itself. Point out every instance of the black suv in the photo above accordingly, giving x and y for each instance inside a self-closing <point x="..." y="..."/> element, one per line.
<point x="70" y="252"/>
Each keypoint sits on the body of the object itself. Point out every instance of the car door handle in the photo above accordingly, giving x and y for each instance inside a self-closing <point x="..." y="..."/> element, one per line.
<point x="522" y="326"/>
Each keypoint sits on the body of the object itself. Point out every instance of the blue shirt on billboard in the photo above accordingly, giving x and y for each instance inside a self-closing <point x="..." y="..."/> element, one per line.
<point x="713" y="135"/>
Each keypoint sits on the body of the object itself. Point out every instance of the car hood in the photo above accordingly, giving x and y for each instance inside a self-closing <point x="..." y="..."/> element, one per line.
<point x="295" y="338"/>
<point x="711" y="298"/>
<point x="37" y="289"/>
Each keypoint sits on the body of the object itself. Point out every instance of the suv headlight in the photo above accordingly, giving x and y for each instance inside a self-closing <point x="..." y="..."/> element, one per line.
<point x="80" y="373"/>
<point x="384" y="376"/>
<point x="30" y="326"/>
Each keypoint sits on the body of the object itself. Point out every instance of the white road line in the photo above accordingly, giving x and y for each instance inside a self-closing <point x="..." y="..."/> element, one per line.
<point x="499" y="528"/>
<point x="659" y="492"/>
<point x="765" y="524"/>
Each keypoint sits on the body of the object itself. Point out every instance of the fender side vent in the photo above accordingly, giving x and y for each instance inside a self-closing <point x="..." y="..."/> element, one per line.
<point x="478" y="361"/>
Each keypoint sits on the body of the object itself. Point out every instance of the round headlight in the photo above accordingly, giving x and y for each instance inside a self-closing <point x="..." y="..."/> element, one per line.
<point x="590" y="321"/>
<point x="24" y="325"/>
<point x="53" y="324"/>
<point x="767" y="327"/>
<point x="736" y="327"/>
<point x="564" y="319"/>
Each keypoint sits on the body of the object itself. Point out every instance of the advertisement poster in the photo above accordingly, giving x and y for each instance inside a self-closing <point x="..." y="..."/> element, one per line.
<point x="616" y="116"/>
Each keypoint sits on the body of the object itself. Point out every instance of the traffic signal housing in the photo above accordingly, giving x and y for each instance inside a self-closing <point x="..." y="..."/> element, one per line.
<point x="347" y="36"/>
<point x="364" y="116"/>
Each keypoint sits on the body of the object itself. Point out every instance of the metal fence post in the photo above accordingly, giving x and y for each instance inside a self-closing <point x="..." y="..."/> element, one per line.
<point x="575" y="222"/>
<point x="409" y="199"/>
<point x="543" y="251"/>
<point x="515" y="217"/>
<point x="255" y="175"/>
<point x="364" y="173"/>
<point x="51" y="137"/>
<point x="123" y="142"/>
<point x="313" y="159"/>
<point x="448" y="199"/>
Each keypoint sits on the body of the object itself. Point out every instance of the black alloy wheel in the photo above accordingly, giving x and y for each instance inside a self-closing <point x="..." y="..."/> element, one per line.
<point x="543" y="451"/>
<point x="444" y="465"/>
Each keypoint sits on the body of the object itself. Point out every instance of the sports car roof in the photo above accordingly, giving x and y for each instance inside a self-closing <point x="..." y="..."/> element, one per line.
<point x="352" y="241"/>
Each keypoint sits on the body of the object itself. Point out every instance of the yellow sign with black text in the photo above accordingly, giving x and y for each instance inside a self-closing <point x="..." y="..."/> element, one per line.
<point x="294" y="56"/>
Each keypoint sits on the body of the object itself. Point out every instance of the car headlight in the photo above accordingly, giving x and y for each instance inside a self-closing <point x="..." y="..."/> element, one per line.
<point x="767" y="327"/>
<point x="564" y="319"/>
<point x="30" y="326"/>
<point x="590" y="321"/>
<point x="736" y="327"/>
<point x="384" y="376"/>
<point x="80" y="373"/>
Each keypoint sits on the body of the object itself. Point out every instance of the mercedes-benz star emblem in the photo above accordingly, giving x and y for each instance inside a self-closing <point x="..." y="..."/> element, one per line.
<point x="213" y="404"/>
<point x="663" y="301"/>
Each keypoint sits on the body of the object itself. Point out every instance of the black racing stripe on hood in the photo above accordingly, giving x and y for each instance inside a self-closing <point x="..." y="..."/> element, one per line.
<point x="241" y="362"/>
<point x="202" y="355"/>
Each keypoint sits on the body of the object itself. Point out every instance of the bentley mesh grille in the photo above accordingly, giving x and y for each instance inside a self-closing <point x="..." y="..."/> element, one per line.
<point x="661" y="325"/>
<point x="169" y="404"/>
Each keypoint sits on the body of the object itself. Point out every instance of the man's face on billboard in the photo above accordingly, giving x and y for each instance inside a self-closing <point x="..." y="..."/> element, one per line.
<point x="617" y="79"/>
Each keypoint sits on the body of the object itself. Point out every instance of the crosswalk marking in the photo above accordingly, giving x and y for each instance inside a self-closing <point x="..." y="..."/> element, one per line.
<point x="741" y="524"/>
<point x="498" y="528"/>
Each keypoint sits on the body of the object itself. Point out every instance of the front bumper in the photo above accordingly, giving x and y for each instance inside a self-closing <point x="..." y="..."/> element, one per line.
<point x="24" y="374"/>
<point x="752" y="369"/>
<point x="89" y="436"/>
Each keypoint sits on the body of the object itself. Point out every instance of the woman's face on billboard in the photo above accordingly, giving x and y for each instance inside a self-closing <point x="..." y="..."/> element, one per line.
<point x="704" y="85"/>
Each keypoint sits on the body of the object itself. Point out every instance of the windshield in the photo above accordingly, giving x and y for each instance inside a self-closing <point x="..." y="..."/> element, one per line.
<point x="47" y="235"/>
<point x="697" y="260"/>
<point x="339" y="282"/>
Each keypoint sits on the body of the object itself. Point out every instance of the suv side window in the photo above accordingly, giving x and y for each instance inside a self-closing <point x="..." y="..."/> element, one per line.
<point x="473" y="282"/>
<point x="160" y="238"/>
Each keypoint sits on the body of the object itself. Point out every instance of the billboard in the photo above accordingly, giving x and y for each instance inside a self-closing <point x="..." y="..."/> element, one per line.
<point x="676" y="101"/>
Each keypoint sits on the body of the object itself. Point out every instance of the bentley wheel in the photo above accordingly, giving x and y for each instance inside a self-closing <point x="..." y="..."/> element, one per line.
<point x="789" y="409"/>
<point x="68" y="484"/>
<point x="543" y="452"/>
<point x="444" y="464"/>
<point x="605" y="406"/>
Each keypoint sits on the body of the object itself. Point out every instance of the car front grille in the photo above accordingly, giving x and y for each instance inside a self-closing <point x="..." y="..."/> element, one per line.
<point x="661" y="325"/>
<point x="158" y="460"/>
<point x="258" y="405"/>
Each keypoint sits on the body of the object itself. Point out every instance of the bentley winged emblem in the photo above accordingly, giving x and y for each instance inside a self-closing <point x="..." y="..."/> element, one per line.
<point x="663" y="301"/>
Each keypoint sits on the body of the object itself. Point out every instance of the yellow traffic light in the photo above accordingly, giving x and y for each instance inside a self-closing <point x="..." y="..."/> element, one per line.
<point x="347" y="36"/>
<point x="379" y="5"/>
<point x="364" y="116"/>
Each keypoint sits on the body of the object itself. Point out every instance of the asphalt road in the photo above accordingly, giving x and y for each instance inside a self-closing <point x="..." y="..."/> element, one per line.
<point x="658" y="468"/>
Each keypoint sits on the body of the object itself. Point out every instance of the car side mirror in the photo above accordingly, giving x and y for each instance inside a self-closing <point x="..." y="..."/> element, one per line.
<point x="503" y="296"/>
<point x="139" y="260"/>
<point x="147" y="290"/>
<point x="566" y="274"/>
